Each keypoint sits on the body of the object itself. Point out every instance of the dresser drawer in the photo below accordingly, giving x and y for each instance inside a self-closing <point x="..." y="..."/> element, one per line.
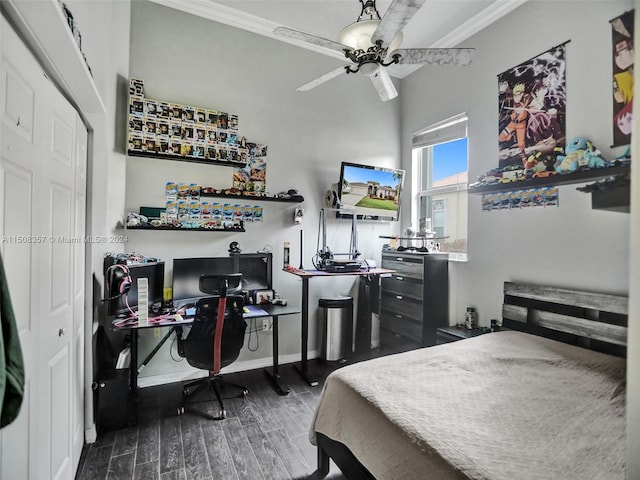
<point x="404" y="326"/>
<point x="401" y="304"/>
<point x="399" y="283"/>
<point x="403" y="264"/>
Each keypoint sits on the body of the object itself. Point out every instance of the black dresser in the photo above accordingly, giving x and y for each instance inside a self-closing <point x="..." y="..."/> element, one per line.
<point x="414" y="301"/>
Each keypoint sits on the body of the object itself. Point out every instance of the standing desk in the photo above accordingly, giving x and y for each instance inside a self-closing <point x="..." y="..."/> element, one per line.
<point x="363" y="320"/>
<point x="260" y="311"/>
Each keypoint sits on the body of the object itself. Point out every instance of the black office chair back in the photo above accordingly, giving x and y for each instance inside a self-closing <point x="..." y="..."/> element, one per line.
<point x="198" y="346"/>
<point x="221" y="285"/>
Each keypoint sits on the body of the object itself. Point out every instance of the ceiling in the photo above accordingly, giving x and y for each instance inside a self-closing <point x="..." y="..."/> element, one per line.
<point x="438" y="23"/>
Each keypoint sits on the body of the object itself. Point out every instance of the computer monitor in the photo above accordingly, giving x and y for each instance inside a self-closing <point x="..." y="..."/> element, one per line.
<point x="120" y="297"/>
<point x="255" y="269"/>
<point x="187" y="272"/>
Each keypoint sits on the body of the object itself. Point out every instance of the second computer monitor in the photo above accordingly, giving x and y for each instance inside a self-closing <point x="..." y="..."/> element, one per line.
<point x="256" y="269"/>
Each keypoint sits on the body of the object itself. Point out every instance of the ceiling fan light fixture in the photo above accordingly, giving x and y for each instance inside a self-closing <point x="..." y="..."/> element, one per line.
<point x="357" y="36"/>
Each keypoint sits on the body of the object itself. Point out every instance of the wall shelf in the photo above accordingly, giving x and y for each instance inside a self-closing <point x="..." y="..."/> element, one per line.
<point x="179" y="229"/>
<point x="45" y="29"/>
<point x="614" y="199"/>
<point x="179" y="158"/>
<point x="566" y="179"/>
<point x="254" y="198"/>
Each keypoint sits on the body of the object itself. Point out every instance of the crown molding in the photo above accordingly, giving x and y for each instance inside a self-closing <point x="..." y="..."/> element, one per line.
<point x="478" y="22"/>
<point x="236" y="18"/>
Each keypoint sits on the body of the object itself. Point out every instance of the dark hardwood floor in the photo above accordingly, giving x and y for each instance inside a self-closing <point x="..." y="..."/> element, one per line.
<point x="265" y="436"/>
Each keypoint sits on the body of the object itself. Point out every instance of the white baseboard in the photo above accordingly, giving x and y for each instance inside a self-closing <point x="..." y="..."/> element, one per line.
<point x="154" y="380"/>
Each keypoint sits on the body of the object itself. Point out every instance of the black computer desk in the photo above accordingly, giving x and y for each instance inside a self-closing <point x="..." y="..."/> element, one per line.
<point x="259" y="311"/>
<point x="367" y="292"/>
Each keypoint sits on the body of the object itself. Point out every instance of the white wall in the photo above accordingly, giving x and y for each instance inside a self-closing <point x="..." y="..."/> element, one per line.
<point x="571" y="245"/>
<point x="189" y="60"/>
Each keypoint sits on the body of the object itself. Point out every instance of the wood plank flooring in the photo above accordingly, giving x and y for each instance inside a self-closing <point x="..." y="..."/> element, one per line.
<point x="265" y="436"/>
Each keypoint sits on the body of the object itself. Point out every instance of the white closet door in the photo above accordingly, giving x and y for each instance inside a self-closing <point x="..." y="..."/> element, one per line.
<point x="43" y="210"/>
<point x="19" y="222"/>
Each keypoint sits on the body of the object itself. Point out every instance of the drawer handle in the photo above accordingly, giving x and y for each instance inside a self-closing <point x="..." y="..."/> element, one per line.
<point x="400" y="278"/>
<point x="398" y="316"/>
<point x="399" y="297"/>
<point x="400" y="259"/>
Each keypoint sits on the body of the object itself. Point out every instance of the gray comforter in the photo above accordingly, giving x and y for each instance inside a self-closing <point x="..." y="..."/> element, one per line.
<point x="502" y="406"/>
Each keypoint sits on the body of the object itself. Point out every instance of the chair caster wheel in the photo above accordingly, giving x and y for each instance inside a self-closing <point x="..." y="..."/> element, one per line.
<point x="180" y="411"/>
<point x="185" y="392"/>
<point x="223" y="415"/>
<point x="245" y="393"/>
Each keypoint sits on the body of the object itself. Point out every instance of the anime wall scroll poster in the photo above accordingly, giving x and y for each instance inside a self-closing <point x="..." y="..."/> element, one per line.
<point x="622" y="30"/>
<point x="532" y="108"/>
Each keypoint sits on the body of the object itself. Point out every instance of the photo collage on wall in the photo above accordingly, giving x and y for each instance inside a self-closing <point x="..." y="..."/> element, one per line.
<point x="532" y="108"/>
<point x="622" y="43"/>
<point x="177" y="130"/>
<point x="533" y="197"/>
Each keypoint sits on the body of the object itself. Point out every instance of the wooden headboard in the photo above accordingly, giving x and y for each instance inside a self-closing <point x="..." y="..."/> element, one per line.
<point x="592" y="320"/>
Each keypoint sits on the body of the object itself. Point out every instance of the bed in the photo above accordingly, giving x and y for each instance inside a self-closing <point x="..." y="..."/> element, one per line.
<point x="542" y="399"/>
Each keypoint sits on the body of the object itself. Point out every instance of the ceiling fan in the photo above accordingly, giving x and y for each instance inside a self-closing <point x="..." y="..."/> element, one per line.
<point x="371" y="44"/>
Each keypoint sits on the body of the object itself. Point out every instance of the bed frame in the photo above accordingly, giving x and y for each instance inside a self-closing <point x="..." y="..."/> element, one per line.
<point x="596" y="321"/>
<point x="590" y="320"/>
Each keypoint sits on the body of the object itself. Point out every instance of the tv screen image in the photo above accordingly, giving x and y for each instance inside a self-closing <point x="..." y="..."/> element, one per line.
<point x="372" y="192"/>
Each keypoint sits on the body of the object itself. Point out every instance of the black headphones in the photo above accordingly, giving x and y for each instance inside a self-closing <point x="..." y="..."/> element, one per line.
<point x="118" y="279"/>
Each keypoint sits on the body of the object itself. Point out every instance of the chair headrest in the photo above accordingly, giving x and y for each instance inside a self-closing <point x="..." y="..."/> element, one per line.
<point x="221" y="285"/>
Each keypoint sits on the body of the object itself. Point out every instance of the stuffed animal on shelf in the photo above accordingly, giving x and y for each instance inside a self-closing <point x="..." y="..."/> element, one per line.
<point x="580" y="153"/>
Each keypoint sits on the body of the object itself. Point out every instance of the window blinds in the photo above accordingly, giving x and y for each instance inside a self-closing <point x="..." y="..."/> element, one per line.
<point x="448" y="130"/>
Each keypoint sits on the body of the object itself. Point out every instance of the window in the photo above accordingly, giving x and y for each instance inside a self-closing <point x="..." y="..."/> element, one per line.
<point x="440" y="159"/>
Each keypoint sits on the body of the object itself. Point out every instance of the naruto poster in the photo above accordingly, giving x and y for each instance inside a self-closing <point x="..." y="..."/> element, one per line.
<point x="532" y="108"/>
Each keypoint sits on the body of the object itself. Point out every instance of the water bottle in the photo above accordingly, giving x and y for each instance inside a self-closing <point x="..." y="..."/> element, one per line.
<point x="471" y="320"/>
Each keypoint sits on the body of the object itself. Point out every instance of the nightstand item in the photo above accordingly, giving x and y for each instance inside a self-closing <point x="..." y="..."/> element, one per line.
<point x="453" y="334"/>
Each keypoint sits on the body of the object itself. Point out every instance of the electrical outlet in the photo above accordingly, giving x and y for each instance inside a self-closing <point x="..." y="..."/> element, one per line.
<point x="265" y="324"/>
<point x="156" y="333"/>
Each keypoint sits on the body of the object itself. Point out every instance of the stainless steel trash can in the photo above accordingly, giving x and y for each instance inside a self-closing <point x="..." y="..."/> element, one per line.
<point x="336" y="320"/>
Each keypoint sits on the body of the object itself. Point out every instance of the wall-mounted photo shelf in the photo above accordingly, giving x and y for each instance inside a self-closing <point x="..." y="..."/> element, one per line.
<point x="553" y="180"/>
<point x="180" y="158"/>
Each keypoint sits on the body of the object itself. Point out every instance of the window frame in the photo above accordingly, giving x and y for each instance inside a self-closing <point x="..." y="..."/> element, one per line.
<point x="449" y="130"/>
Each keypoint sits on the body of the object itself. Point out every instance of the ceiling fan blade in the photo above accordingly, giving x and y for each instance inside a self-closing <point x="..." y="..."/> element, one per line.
<point x="394" y="20"/>
<point x="320" y="80"/>
<point x="383" y="84"/>
<point x="305" y="37"/>
<point x="460" y="57"/>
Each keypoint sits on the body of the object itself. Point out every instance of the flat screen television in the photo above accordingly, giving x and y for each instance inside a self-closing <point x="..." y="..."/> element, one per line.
<point x="372" y="192"/>
<point x="256" y="269"/>
<point x="153" y="272"/>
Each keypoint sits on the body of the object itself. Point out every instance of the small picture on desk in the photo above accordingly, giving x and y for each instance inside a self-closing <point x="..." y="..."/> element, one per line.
<point x="264" y="296"/>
